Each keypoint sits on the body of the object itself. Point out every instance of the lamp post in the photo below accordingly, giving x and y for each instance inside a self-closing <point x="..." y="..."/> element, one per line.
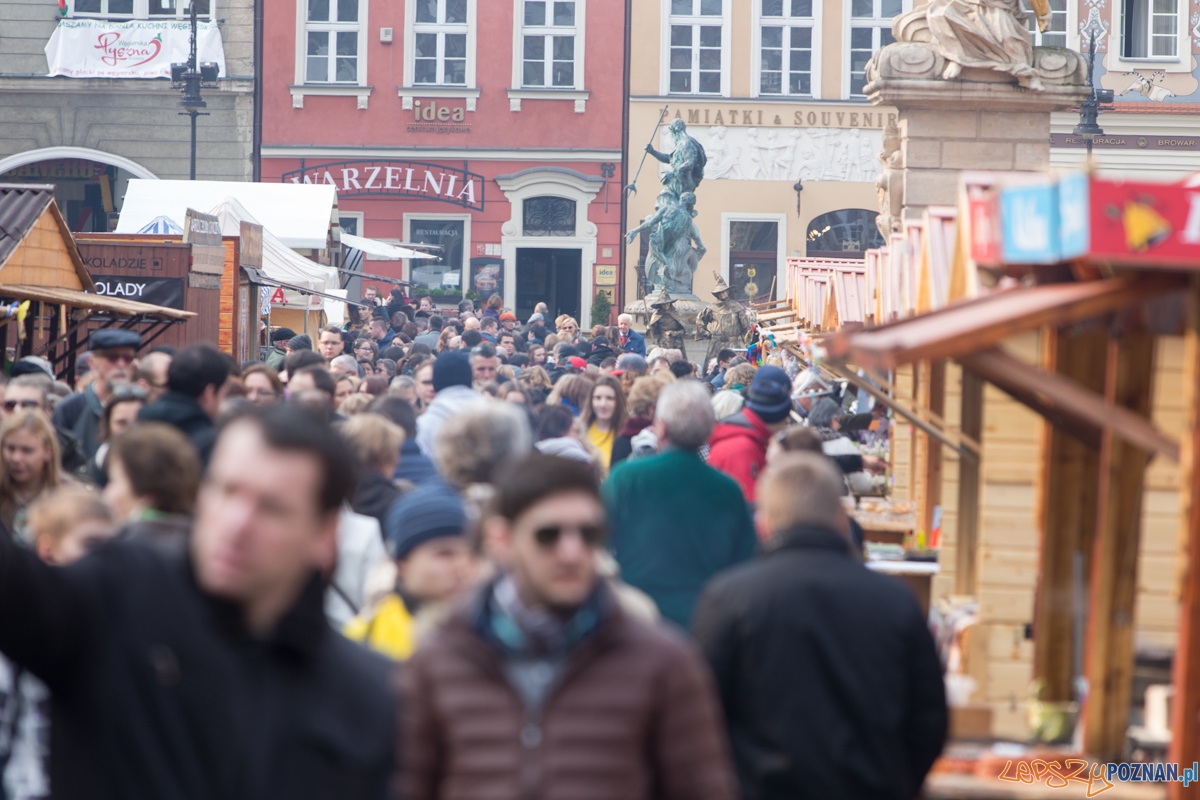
<point x="1089" y="109"/>
<point x="188" y="78"/>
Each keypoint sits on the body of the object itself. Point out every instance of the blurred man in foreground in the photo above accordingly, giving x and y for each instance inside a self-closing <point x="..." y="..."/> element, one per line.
<point x="542" y="686"/>
<point x="830" y="681"/>
<point x="211" y="673"/>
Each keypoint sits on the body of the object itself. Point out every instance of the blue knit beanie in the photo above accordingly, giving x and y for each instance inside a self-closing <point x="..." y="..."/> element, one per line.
<point x="430" y="511"/>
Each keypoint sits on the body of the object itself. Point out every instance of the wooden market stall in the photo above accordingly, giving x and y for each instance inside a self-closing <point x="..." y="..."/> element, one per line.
<point x="45" y="291"/>
<point x="1076" y="374"/>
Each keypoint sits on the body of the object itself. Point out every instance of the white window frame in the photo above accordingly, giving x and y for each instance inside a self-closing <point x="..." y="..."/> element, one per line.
<point x="410" y="41"/>
<point x="141" y="12"/>
<point x="409" y="90"/>
<point x="1180" y="62"/>
<point x="726" y="23"/>
<point x="848" y="23"/>
<point x="466" y="254"/>
<point x="780" y="244"/>
<point x="1039" y="37"/>
<point x="301" y="88"/>
<point x="357" y="216"/>
<point x="519" y="92"/>
<point x="758" y="22"/>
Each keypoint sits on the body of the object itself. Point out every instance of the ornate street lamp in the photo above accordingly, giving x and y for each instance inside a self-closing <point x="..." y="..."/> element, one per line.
<point x="189" y="78"/>
<point x="1089" y="109"/>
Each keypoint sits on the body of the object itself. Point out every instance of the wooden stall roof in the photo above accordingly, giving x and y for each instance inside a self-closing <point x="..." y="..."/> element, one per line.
<point x="94" y="302"/>
<point x="985" y="322"/>
<point x="35" y="239"/>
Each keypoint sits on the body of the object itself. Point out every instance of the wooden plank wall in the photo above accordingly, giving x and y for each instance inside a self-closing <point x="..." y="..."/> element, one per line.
<point x="943" y="583"/>
<point x="902" y="438"/>
<point x="42" y="259"/>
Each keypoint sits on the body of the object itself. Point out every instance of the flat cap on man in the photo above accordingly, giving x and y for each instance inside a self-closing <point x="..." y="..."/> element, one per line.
<point x="109" y="339"/>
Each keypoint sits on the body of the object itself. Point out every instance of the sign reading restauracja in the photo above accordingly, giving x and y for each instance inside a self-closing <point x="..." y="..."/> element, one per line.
<point x="95" y="48"/>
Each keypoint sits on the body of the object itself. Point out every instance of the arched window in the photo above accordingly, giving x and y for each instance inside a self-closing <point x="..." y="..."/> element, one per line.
<point x="845" y="233"/>
<point x="549" y="216"/>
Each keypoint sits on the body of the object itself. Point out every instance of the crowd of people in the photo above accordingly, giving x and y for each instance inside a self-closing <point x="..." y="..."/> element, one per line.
<point x="446" y="553"/>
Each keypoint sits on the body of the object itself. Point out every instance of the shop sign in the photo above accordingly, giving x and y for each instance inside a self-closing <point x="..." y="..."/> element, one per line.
<point x="95" y="48"/>
<point x="430" y="116"/>
<point x="250" y="250"/>
<point x="1156" y="224"/>
<point x="166" y="292"/>
<point x="791" y="116"/>
<point x="288" y="298"/>
<point x="606" y="275"/>
<point x="76" y="168"/>
<point x="1029" y="224"/>
<point x="983" y="215"/>
<point x="414" y="180"/>
<point x="1126" y="142"/>
<point x="203" y="233"/>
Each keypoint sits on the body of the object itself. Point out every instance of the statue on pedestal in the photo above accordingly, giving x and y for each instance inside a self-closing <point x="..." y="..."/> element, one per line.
<point x="665" y="329"/>
<point x="725" y="322"/>
<point x="672" y="259"/>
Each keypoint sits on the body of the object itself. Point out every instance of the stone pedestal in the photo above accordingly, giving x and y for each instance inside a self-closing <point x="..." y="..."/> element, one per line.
<point x="980" y="121"/>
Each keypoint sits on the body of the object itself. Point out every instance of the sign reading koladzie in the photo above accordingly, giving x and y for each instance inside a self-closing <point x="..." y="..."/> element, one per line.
<point x="94" y="48"/>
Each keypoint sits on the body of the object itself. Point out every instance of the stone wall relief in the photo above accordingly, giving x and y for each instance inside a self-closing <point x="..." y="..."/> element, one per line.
<point x="789" y="154"/>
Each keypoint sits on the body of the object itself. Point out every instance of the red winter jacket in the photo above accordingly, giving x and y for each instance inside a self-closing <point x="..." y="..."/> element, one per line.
<point x="738" y="447"/>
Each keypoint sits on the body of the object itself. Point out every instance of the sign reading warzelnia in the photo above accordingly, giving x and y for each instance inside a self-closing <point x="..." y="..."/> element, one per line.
<point x="96" y="48"/>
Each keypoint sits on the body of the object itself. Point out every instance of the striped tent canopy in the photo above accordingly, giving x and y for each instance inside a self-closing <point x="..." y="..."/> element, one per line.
<point x="162" y="225"/>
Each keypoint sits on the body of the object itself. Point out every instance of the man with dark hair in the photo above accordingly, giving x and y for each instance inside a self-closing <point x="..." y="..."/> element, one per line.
<point x="114" y="352"/>
<point x="489" y="327"/>
<point x="431" y="337"/>
<point x="471" y="339"/>
<point x="717" y="377"/>
<point x="331" y="343"/>
<point x="211" y="672"/>
<point x="194" y="382"/>
<point x="827" y="671"/>
<point x="379" y="332"/>
<point x="566" y="689"/>
<point x="298" y="361"/>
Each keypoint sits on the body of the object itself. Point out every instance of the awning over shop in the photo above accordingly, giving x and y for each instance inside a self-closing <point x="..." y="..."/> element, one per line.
<point x="298" y="214"/>
<point x="93" y="302"/>
<point x="373" y="247"/>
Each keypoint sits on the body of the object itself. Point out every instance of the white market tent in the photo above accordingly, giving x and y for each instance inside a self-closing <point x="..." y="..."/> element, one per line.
<point x="280" y="262"/>
<point x="382" y="249"/>
<point x="299" y="215"/>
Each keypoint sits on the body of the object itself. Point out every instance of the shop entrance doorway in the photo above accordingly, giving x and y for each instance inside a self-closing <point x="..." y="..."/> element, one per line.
<point x="549" y="275"/>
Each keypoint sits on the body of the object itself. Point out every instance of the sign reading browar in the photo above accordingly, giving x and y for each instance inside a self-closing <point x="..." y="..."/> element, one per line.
<point x="95" y="48"/>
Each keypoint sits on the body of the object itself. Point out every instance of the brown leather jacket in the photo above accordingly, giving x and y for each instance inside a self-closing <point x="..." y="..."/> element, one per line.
<point x="634" y="716"/>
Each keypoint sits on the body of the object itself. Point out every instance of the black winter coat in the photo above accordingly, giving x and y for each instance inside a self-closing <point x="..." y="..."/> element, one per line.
<point x="185" y="414"/>
<point x="160" y="692"/>
<point x="828" y="674"/>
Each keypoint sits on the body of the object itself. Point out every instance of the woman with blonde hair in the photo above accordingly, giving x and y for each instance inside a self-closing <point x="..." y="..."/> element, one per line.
<point x="568" y="328"/>
<point x="571" y="391"/>
<point x="28" y="466"/>
<point x="603" y="416"/>
<point x="643" y="397"/>
<point x="536" y="378"/>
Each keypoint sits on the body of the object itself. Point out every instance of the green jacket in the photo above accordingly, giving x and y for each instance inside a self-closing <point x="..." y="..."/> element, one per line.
<point x="275" y="359"/>
<point x="675" y="522"/>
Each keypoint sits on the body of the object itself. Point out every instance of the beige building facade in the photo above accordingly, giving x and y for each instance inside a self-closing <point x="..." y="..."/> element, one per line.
<point x="773" y="90"/>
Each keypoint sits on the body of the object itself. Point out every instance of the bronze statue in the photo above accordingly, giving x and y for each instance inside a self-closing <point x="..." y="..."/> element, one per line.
<point x="672" y="260"/>
<point x="725" y="322"/>
<point x="686" y="161"/>
<point x="665" y="329"/>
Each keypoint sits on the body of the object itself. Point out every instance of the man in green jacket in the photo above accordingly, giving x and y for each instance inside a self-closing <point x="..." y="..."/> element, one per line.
<point x="675" y="521"/>
<point x="279" y="339"/>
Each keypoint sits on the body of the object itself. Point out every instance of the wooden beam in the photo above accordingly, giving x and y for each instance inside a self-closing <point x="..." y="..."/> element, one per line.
<point x="1068" y="404"/>
<point x="967" y="537"/>
<point x="1109" y="656"/>
<point x="934" y="398"/>
<point x="1070" y="469"/>
<point x="965" y="446"/>
<point x="1185" y="737"/>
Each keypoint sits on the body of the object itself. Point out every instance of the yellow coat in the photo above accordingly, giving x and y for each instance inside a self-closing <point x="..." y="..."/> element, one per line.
<point x="390" y="629"/>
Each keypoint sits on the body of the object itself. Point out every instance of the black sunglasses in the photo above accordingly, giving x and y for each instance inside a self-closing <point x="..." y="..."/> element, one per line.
<point x="548" y="536"/>
<point x="11" y="405"/>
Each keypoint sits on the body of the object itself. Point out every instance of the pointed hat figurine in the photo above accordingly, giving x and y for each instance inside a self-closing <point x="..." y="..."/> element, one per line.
<point x="663" y="300"/>
<point x="721" y="289"/>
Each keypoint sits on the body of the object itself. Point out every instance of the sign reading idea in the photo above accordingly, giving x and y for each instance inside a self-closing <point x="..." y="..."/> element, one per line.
<point x="95" y="48"/>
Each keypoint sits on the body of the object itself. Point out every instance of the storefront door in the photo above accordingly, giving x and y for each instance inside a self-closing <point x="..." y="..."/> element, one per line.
<point x="551" y="276"/>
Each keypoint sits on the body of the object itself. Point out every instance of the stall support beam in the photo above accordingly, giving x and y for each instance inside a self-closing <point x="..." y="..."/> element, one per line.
<point x="933" y="385"/>
<point x="1109" y="654"/>
<point x="1185" y="738"/>
<point x="967" y="535"/>
<point x="1070" y="469"/>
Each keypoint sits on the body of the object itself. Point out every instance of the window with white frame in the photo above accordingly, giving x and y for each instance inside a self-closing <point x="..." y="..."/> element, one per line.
<point x="1055" y="34"/>
<point x="141" y="9"/>
<point x="1150" y="29"/>
<point x="331" y="41"/>
<point x="549" y="44"/>
<point x="440" y="43"/>
<point x="786" y="47"/>
<point x="870" y="29"/>
<point x="696" y="40"/>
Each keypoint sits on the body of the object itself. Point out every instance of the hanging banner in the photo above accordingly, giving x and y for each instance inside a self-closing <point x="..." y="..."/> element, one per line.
<point x="94" y="48"/>
<point x="158" y="291"/>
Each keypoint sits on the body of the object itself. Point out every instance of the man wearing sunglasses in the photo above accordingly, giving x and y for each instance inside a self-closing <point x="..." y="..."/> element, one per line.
<point x="542" y="686"/>
<point x="114" y="357"/>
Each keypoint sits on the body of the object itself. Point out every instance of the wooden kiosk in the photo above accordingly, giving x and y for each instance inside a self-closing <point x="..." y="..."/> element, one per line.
<point x="47" y="293"/>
